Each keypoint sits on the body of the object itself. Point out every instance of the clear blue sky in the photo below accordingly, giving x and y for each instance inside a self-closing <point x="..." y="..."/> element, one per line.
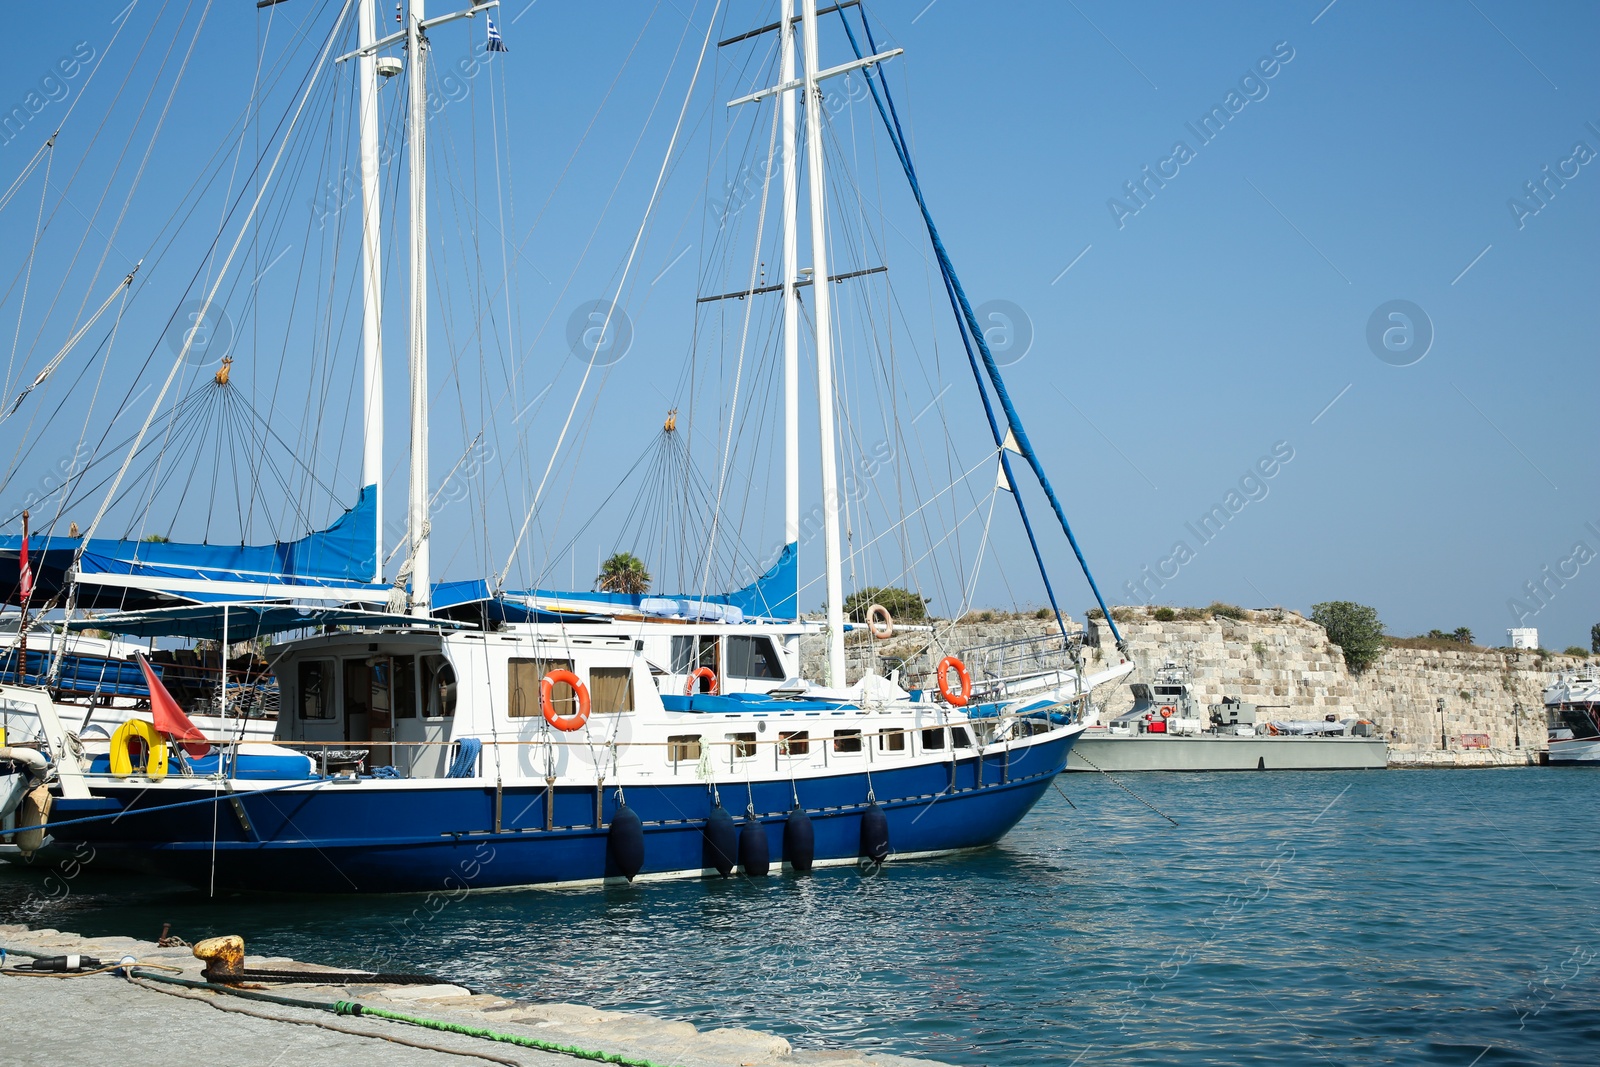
<point x="1194" y="331"/>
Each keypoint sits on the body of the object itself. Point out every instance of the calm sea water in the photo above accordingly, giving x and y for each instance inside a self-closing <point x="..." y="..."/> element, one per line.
<point x="1442" y="917"/>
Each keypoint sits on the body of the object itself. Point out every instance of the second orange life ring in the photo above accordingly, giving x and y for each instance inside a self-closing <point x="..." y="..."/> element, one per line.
<point x="695" y="676"/>
<point x="955" y="699"/>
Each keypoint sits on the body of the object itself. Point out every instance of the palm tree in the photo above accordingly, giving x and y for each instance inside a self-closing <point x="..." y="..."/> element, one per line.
<point x="624" y="573"/>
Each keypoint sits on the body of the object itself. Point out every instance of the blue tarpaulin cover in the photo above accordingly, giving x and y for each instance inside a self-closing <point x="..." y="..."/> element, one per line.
<point x="343" y="554"/>
<point x="774" y="595"/>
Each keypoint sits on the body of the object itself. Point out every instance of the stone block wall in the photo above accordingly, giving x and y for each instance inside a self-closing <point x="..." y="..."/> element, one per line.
<point x="1278" y="657"/>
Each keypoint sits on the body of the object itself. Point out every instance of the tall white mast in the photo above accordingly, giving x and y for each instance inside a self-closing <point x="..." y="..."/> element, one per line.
<point x="791" y="274"/>
<point x="822" y="305"/>
<point x="417" y="515"/>
<point x="372" y="281"/>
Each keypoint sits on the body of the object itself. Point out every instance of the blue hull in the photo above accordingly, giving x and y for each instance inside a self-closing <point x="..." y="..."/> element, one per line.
<point x="382" y="837"/>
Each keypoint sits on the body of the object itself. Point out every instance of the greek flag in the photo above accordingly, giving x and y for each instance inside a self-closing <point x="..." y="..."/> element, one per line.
<point x="495" y="43"/>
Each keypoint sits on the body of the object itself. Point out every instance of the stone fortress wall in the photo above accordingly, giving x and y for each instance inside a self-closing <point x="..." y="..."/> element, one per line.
<point x="1435" y="706"/>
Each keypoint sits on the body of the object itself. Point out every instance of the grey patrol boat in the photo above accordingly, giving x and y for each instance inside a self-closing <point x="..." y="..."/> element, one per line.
<point x="1166" y="730"/>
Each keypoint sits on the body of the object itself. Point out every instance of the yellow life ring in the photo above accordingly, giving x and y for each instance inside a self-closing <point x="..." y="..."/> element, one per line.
<point x="155" y="764"/>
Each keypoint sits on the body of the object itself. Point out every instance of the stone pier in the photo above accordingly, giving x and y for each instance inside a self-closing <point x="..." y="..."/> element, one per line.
<point x="95" y="1019"/>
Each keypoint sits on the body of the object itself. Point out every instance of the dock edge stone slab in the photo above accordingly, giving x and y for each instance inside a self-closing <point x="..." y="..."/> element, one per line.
<point x="634" y="1034"/>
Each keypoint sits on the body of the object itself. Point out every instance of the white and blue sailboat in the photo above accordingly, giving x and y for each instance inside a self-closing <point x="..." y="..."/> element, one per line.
<point x="464" y="735"/>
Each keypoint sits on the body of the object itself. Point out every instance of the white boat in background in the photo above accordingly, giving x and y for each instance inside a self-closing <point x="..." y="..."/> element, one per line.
<point x="1167" y="730"/>
<point x="98" y="685"/>
<point x="1572" y="709"/>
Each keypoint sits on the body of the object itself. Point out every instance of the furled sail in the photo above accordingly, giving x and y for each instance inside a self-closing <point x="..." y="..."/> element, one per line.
<point x="336" y="564"/>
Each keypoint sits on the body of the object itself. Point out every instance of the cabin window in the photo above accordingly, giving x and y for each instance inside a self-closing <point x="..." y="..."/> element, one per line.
<point x="933" y="739"/>
<point x="610" y="690"/>
<point x="847" y="740"/>
<point x="744" y="745"/>
<point x="315" y="677"/>
<point x="405" y="687"/>
<point x="959" y="737"/>
<point x="438" y="687"/>
<point x="794" y="743"/>
<point x="753" y="657"/>
<point x="892" y="741"/>
<point x="526" y="674"/>
<point x="681" y="747"/>
<point x="691" y="652"/>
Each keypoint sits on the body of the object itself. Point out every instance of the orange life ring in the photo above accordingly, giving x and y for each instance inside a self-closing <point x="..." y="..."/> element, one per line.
<point x="880" y="624"/>
<point x="695" y="676"/>
<point x="1167" y="710"/>
<point x="566" y="723"/>
<point x="958" y="700"/>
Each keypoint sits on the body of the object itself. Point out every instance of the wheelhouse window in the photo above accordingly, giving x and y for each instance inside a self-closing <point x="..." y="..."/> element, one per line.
<point x="753" y="657"/>
<point x="794" y="743"/>
<point x="314" y="680"/>
<point x="525" y="676"/>
<point x="847" y="741"/>
<point x="691" y="652"/>
<point x="744" y="745"/>
<point x="959" y="737"/>
<point x="892" y="741"/>
<point x="933" y="739"/>
<point x="438" y="687"/>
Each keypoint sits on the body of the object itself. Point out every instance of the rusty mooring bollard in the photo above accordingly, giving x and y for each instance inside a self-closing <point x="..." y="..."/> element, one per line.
<point x="224" y="957"/>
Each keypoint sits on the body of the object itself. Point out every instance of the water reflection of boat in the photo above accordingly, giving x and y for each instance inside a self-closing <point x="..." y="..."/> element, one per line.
<point x="1167" y="730"/>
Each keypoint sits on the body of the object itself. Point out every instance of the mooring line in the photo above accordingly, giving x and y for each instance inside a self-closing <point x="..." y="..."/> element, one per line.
<point x="1126" y="790"/>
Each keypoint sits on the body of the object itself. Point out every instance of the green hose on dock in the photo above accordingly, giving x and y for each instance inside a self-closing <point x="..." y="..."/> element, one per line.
<point x="345" y="1007"/>
<point x="352" y="1008"/>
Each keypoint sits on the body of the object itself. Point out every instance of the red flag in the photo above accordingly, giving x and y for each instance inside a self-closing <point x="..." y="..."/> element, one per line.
<point x="25" y="576"/>
<point x="168" y="717"/>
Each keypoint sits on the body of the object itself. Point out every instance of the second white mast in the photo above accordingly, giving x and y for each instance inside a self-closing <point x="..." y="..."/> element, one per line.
<point x="371" y="278"/>
<point x="833" y="567"/>
<point x="791" y="300"/>
<point x="417" y="523"/>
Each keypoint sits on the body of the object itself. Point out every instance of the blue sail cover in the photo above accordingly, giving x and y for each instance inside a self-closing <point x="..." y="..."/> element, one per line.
<point x="774" y="595"/>
<point x="337" y="562"/>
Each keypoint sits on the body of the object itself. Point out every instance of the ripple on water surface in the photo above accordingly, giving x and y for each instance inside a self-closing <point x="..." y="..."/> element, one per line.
<point x="1382" y="917"/>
